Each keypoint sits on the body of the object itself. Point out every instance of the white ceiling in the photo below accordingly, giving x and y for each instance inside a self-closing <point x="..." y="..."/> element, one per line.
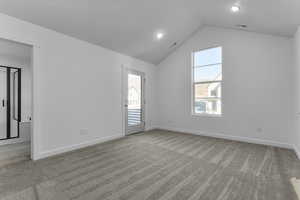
<point x="129" y="26"/>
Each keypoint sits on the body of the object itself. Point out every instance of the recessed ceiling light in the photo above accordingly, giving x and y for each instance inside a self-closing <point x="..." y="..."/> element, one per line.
<point x="235" y="8"/>
<point x="159" y="35"/>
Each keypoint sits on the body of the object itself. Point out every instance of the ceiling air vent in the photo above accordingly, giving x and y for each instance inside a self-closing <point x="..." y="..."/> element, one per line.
<point x="242" y="26"/>
<point x="173" y="45"/>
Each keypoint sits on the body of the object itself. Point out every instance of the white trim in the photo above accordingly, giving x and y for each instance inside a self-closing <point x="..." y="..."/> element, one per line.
<point x="231" y="137"/>
<point x="61" y="150"/>
<point x="201" y="133"/>
<point x="151" y="128"/>
<point x="34" y="137"/>
<point x="123" y="98"/>
<point x="206" y="115"/>
<point x="124" y="79"/>
<point x="34" y="63"/>
<point x="297" y="151"/>
<point x="192" y="82"/>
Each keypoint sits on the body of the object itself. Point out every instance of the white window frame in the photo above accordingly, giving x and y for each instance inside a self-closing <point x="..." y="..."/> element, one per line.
<point x="194" y="83"/>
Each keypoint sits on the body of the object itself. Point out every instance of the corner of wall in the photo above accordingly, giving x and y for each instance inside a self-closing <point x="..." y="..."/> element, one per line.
<point x="182" y="42"/>
<point x="297" y="151"/>
<point x="296" y="86"/>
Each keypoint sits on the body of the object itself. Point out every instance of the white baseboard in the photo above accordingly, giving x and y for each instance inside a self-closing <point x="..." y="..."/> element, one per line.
<point x="231" y="137"/>
<point x="61" y="150"/>
<point x="151" y="128"/>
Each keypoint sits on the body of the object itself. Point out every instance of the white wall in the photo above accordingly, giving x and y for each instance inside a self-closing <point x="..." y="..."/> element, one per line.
<point x="296" y="110"/>
<point x="257" y="72"/>
<point x="76" y="85"/>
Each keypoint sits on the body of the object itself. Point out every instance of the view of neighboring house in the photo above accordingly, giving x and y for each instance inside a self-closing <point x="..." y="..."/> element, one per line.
<point x="207" y="97"/>
<point x="134" y="99"/>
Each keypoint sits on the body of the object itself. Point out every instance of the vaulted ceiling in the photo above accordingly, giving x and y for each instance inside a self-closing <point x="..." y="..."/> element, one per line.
<point x="129" y="26"/>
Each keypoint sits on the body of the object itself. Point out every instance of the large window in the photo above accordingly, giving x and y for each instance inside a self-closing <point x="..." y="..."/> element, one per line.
<point x="207" y="81"/>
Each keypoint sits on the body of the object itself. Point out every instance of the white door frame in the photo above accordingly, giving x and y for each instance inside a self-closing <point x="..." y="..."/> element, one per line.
<point x="34" y="154"/>
<point x="141" y="127"/>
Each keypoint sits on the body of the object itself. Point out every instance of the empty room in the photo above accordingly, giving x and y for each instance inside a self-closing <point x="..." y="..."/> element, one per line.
<point x="149" y="100"/>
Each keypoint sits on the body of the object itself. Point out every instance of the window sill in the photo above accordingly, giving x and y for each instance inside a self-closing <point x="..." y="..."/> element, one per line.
<point x="206" y="115"/>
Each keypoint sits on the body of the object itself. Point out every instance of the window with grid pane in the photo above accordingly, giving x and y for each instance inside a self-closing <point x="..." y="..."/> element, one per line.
<point x="207" y="81"/>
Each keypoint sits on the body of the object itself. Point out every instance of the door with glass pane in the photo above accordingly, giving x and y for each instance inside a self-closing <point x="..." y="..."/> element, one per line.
<point x="3" y="113"/>
<point x="10" y="97"/>
<point x="135" y="102"/>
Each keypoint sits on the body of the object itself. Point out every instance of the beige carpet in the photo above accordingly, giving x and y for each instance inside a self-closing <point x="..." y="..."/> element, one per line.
<point x="157" y="165"/>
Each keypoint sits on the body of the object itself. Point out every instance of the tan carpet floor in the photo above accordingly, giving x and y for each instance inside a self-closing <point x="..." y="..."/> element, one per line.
<point x="156" y="165"/>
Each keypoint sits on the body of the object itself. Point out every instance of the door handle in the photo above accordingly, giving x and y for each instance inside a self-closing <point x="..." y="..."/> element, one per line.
<point x="126" y="105"/>
<point x="3" y="103"/>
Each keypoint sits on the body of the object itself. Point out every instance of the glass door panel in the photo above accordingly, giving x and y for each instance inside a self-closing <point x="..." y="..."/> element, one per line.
<point x="14" y="102"/>
<point x="135" y="102"/>
<point x="3" y="106"/>
<point x="10" y="105"/>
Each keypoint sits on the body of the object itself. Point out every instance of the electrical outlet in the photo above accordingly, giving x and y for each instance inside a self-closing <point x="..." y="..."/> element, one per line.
<point x="84" y="132"/>
<point x="170" y="122"/>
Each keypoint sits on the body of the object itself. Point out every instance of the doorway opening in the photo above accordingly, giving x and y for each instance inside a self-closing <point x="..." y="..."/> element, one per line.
<point x="135" y="102"/>
<point x="15" y="101"/>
